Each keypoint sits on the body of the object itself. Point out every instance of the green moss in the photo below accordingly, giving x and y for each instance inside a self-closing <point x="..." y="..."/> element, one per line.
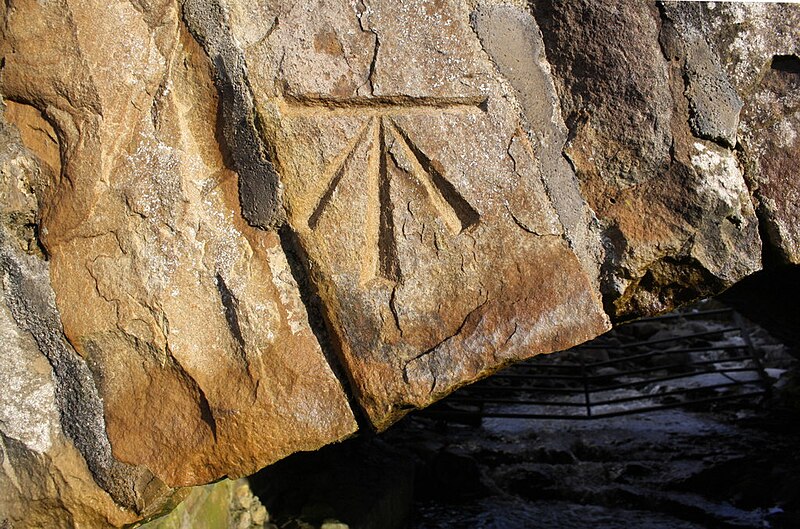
<point x="206" y="507"/>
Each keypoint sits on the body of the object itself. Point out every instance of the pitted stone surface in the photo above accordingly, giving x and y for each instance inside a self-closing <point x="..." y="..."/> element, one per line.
<point x="672" y="229"/>
<point x="194" y="331"/>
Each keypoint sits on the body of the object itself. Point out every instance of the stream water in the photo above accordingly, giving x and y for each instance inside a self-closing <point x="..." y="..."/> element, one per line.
<point x="670" y="469"/>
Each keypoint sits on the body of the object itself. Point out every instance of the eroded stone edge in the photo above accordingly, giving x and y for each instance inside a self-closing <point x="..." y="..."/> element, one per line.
<point x="31" y="300"/>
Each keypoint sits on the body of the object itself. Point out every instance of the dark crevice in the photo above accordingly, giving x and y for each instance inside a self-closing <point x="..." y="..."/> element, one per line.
<point x="230" y="304"/>
<point x="373" y="64"/>
<point x="786" y="63"/>
<point x="205" y="412"/>
<point x="363" y="10"/>
<point x="771" y="254"/>
<point x="387" y="249"/>
<point x="326" y="337"/>
<point x="393" y="309"/>
<point x="36" y="240"/>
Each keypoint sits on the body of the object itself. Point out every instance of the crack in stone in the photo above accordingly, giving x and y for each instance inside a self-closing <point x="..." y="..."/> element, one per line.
<point x="458" y="331"/>
<point x="373" y="63"/>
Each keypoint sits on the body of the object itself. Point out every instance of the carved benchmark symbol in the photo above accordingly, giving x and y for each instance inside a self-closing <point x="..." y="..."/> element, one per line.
<point x="456" y="213"/>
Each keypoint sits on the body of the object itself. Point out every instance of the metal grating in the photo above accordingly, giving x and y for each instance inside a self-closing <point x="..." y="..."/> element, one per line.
<point x="706" y="356"/>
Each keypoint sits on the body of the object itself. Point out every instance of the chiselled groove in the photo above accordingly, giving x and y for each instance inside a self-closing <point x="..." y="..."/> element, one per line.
<point x="452" y="207"/>
<point x="378" y="105"/>
<point x="372" y="226"/>
<point x="336" y="177"/>
<point x="380" y="257"/>
<point x="387" y="249"/>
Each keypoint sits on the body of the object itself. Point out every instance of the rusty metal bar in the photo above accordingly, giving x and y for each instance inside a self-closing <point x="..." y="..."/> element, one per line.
<point x="661" y="340"/>
<point x="755" y="353"/>
<point x="516" y="415"/>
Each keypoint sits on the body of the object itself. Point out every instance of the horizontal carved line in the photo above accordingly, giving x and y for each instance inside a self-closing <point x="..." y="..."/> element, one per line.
<point x="378" y="105"/>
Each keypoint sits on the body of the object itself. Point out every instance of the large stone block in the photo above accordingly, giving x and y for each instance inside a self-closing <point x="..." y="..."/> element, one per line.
<point x="413" y="190"/>
<point x="228" y="227"/>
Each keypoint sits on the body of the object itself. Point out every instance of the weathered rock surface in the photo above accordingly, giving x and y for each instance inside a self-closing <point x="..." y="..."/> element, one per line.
<point x="177" y="329"/>
<point x="676" y="214"/>
<point x="407" y="172"/>
<point x="223" y="504"/>
<point x="762" y="62"/>
<point x="229" y="228"/>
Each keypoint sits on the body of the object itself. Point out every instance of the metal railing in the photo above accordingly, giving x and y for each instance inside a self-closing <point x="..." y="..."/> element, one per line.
<point x="616" y="375"/>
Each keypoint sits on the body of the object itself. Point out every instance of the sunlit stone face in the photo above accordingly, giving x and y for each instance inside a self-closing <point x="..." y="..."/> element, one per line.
<point x="411" y="186"/>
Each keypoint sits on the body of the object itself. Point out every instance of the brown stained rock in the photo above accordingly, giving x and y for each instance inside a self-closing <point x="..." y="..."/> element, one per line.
<point x="48" y="406"/>
<point x="666" y="199"/>
<point x="190" y="320"/>
<point x="209" y="208"/>
<point x="415" y="195"/>
<point x="773" y="120"/>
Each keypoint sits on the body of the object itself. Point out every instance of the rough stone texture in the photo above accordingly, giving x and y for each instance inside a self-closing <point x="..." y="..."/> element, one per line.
<point x="226" y="504"/>
<point x="50" y="406"/>
<point x="758" y="44"/>
<point x="772" y="118"/>
<point x="407" y="171"/>
<point x="627" y="103"/>
<point x="227" y="224"/>
<point x="514" y="43"/>
<point x="187" y="322"/>
<point x="37" y="460"/>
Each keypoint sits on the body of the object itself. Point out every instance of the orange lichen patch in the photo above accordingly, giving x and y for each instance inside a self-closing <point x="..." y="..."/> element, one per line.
<point x="327" y="42"/>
